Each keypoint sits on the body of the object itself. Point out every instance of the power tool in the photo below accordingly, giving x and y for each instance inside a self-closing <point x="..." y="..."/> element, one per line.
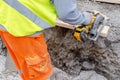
<point x="92" y="31"/>
<point x="98" y="25"/>
<point x="85" y="32"/>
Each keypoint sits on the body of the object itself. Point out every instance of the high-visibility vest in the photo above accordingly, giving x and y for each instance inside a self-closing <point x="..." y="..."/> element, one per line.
<point x="26" y="17"/>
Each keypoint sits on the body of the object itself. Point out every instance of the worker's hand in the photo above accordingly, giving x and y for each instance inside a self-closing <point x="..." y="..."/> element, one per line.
<point x="80" y="33"/>
<point x="84" y="32"/>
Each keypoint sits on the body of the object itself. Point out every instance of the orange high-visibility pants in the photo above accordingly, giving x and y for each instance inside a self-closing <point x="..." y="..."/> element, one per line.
<point x="30" y="55"/>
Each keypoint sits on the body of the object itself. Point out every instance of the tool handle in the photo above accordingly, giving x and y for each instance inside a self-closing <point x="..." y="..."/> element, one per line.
<point x="63" y="24"/>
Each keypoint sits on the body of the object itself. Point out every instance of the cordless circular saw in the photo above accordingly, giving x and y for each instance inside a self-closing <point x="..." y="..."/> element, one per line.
<point x="83" y="32"/>
<point x="93" y="30"/>
<point x="99" y="27"/>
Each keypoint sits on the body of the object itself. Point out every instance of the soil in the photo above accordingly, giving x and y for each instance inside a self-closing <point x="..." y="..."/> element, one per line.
<point x="101" y="56"/>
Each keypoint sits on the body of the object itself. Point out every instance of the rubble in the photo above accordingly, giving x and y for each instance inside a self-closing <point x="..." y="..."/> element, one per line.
<point x="101" y="56"/>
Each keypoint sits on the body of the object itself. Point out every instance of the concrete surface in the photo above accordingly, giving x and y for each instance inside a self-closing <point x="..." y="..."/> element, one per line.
<point x="78" y="59"/>
<point x="101" y="56"/>
<point x="9" y="63"/>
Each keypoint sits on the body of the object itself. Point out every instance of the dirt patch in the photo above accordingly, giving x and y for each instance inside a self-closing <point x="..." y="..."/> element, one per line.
<point x="101" y="56"/>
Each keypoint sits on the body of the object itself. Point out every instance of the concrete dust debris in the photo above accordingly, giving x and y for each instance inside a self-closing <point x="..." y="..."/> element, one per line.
<point x="90" y="75"/>
<point x="69" y="55"/>
<point x="2" y="63"/>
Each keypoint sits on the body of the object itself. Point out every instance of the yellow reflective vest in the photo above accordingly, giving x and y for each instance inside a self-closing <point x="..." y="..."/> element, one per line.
<point x="26" y="17"/>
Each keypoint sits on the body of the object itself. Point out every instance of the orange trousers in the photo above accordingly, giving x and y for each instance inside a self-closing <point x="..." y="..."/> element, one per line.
<point x="30" y="55"/>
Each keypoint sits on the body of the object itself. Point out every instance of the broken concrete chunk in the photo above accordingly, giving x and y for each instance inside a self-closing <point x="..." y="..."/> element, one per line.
<point x="90" y="75"/>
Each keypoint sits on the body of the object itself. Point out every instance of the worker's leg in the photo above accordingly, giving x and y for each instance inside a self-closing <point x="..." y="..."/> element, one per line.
<point x="30" y="56"/>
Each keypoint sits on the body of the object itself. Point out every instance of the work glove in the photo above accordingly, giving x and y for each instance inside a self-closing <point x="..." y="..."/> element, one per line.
<point x="81" y="32"/>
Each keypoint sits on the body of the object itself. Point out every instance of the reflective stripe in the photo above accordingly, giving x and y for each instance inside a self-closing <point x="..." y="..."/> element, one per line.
<point x="2" y="27"/>
<point x="27" y="13"/>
